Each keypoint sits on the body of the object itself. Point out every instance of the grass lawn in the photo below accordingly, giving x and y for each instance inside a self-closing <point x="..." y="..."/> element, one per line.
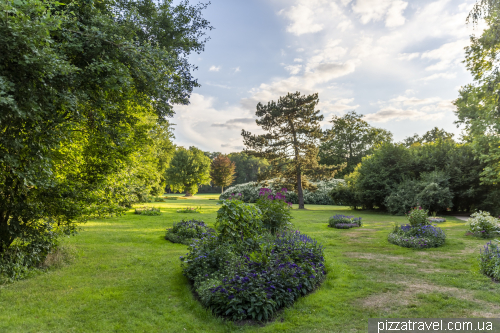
<point x="126" y="278"/>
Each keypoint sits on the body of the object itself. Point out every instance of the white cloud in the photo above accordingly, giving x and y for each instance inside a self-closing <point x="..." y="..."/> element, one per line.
<point x="448" y="54"/>
<point x="297" y="60"/>
<point x="439" y="76"/>
<point x="237" y="69"/>
<point x="387" y="114"/>
<point x="377" y="10"/>
<point x="214" y="68"/>
<point x="295" y="69"/>
<point x="217" y="85"/>
<point x="408" y="56"/>
<point x="301" y="49"/>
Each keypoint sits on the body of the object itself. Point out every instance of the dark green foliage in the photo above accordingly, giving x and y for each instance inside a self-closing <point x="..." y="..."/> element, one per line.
<point x="187" y="169"/>
<point x="238" y="221"/>
<point x="349" y="140"/>
<point x="149" y="211"/>
<point x="189" y="210"/>
<point x="247" y="167"/>
<point x="186" y="231"/>
<point x="254" y="285"/>
<point x="275" y="210"/>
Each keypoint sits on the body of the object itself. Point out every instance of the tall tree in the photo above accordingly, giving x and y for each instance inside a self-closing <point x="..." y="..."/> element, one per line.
<point x="433" y="135"/>
<point x="222" y="171"/>
<point x="247" y="167"/>
<point x="76" y="80"/>
<point x="478" y="106"/>
<point x="290" y="144"/>
<point x="349" y="140"/>
<point x="188" y="168"/>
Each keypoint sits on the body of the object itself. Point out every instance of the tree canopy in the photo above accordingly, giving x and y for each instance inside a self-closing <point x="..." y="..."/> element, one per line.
<point x="78" y="83"/>
<point x="187" y="169"/>
<point x="291" y="142"/>
<point x="349" y="140"/>
<point x="222" y="171"/>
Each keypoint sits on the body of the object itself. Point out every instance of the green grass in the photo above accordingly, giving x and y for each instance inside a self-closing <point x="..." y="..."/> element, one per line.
<point x="127" y="278"/>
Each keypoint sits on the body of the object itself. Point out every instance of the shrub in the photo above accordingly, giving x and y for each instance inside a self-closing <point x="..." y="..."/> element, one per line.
<point x="250" y="192"/>
<point x="418" y="216"/>
<point x="436" y="219"/>
<point x="418" y="236"/>
<point x="186" y="230"/>
<point x="189" y="210"/>
<point x="482" y="224"/>
<point x="237" y="221"/>
<point x="340" y="221"/>
<point x="275" y="210"/>
<point x="241" y="285"/>
<point x="489" y="260"/>
<point x="171" y="198"/>
<point x="149" y="211"/>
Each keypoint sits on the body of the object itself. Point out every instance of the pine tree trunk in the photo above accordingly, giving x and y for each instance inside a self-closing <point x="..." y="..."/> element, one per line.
<point x="300" y="193"/>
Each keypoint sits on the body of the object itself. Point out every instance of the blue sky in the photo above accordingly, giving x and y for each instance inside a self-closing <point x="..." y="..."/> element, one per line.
<point x="397" y="62"/>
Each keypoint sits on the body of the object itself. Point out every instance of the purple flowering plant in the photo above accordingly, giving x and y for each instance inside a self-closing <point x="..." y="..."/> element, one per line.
<point x="417" y="237"/>
<point x="489" y="260"/>
<point x="275" y="209"/>
<point x="341" y="221"/>
<point x="186" y="230"/>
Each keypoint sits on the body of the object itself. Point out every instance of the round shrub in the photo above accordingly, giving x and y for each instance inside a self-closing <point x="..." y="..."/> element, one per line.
<point x="239" y="284"/>
<point x="340" y="221"/>
<point x="482" y="224"/>
<point x="418" y="237"/>
<point x="418" y="216"/>
<point x="149" y="211"/>
<point x="238" y="221"/>
<point x="275" y="210"/>
<point x="489" y="260"/>
<point x="186" y="230"/>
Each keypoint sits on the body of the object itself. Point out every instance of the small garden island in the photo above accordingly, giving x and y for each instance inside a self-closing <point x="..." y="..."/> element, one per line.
<point x="255" y="263"/>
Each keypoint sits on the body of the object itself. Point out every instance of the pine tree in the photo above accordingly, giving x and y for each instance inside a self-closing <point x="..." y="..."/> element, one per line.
<point x="291" y="142"/>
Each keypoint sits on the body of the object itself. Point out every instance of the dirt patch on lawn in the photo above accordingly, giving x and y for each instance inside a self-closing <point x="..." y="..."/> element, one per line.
<point x="373" y="256"/>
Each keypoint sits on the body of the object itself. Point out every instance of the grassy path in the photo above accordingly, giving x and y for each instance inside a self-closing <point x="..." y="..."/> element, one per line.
<point x="127" y="278"/>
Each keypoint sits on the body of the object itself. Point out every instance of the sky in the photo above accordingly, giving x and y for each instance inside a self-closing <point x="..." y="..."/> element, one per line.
<point x="399" y="63"/>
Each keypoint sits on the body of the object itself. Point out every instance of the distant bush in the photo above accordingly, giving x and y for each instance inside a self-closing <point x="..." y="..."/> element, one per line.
<point x="250" y="192"/>
<point x="340" y="221"/>
<point x="186" y="231"/>
<point x="482" y="224"/>
<point x="489" y="260"/>
<point x="189" y="210"/>
<point x="149" y="211"/>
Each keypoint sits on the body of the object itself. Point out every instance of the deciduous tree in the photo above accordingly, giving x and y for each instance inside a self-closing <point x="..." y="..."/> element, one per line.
<point x="188" y="168"/>
<point x="222" y="171"/>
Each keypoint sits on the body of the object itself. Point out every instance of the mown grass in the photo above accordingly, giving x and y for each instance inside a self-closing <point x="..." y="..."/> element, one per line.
<point x="126" y="277"/>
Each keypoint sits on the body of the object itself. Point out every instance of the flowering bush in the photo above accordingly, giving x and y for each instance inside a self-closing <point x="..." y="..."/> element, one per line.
<point x="189" y="210"/>
<point x="482" y="224"/>
<point x="418" y="216"/>
<point x="419" y="236"/>
<point x="340" y="221"/>
<point x="149" y="211"/>
<point x="238" y="221"/>
<point x="185" y="231"/>
<point x="250" y="192"/>
<point x="275" y="210"/>
<point x="242" y="285"/>
<point x="489" y="263"/>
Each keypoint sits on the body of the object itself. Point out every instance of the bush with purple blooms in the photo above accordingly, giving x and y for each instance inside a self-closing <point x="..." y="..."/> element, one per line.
<point x="489" y="260"/>
<point x="238" y="284"/>
<point x="186" y="230"/>
<point x="340" y="221"/>
<point x="275" y="210"/>
<point x="417" y="237"/>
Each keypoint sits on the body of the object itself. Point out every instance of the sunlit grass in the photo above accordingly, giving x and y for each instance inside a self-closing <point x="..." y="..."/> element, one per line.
<point x="126" y="278"/>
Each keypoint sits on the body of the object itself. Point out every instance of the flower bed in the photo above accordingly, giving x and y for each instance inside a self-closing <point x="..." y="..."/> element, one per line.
<point x="255" y="265"/>
<point x="419" y="234"/>
<point x="149" y="211"/>
<point x="482" y="224"/>
<point x="186" y="231"/>
<point x="239" y="283"/>
<point x="490" y="260"/>
<point x="189" y="210"/>
<point x="436" y="219"/>
<point x="340" y="221"/>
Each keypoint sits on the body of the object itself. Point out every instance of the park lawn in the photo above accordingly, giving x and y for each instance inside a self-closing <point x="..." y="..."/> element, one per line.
<point x="126" y="277"/>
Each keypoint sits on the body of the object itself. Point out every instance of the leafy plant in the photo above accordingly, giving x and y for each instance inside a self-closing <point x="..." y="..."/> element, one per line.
<point x="149" y="211"/>
<point x="418" y="216"/>
<point x="186" y="230"/>
<point x="275" y="210"/>
<point x="489" y="260"/>
<point x="237" y="221"/>
<point x="340" y="221"/>
<point x="482" y="224"/>
<point x="190" y="210"/>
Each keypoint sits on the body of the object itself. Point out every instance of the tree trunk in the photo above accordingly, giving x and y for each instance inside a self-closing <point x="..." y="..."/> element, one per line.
<point x="299" y="189"/>
<point x="188" y="194"/>
<point x="222" y="190"/>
